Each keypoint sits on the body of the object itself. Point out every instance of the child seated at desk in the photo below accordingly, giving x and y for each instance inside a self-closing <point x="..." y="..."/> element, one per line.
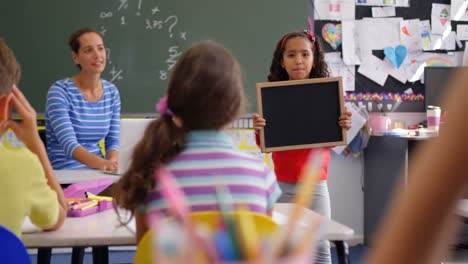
<point x="205" y="95"/>
<point x="27" y="184"/>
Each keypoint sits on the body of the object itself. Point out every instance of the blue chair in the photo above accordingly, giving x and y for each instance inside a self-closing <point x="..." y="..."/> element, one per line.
<point x="12" y="249"/>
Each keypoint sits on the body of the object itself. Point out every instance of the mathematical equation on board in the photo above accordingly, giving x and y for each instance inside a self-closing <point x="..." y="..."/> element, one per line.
<point x="152" y="19"/>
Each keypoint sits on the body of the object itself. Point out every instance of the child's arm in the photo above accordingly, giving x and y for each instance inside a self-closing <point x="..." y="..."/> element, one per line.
<point x="27" y="132"/>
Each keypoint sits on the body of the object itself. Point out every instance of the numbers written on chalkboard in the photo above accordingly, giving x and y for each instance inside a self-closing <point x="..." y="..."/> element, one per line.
<point x="152" y="18"/>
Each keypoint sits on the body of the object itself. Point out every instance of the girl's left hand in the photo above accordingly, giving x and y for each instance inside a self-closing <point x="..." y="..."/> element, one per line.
<point x="345" y="120"/>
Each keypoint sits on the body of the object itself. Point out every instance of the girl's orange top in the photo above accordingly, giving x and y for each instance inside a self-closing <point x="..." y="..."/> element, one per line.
<point x="289" y="163"/>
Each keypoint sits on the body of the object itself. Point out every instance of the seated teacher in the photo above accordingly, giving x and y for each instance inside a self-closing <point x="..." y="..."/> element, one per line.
<point x="83" y="110"/>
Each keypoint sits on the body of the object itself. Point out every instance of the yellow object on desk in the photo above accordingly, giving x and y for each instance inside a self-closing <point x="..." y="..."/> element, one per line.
<point x="93" y="204"/>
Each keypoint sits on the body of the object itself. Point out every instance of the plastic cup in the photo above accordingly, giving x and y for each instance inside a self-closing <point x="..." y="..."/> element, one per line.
<point x="433" y="117"/>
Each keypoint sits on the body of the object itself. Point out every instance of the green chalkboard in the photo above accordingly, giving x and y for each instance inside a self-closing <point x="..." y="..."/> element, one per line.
<point x="144" y="39"/>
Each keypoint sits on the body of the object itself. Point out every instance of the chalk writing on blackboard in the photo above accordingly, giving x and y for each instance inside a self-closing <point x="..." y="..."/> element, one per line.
<point x="152" y="19"/>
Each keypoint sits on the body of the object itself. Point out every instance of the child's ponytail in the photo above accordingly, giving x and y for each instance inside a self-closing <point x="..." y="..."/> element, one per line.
<point x="161" y="142"/>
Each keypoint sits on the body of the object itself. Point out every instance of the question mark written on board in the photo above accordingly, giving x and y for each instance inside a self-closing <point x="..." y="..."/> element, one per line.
<point x="108" y="55"/>
<point x="174" y="22"/>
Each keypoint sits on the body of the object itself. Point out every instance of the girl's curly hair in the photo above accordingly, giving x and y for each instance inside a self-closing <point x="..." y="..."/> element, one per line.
<point x="319" y="68"/>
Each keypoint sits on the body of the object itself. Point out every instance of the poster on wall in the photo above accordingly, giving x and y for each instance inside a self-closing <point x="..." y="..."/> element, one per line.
<point x="338" y="68"/>
<point x="459" y="10"/>
<point x="440" y="19"/>
<point x="404" y="3"/>
<point x="350" y="35"/>
<point x="334" y="9"/>
<point x="410" y="34"/>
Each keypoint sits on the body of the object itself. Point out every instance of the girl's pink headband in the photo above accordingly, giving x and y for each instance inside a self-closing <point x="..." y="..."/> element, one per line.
<point x="309" y="34"/>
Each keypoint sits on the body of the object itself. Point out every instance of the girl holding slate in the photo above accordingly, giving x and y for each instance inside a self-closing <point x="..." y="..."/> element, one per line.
<point x="299" y="56"/>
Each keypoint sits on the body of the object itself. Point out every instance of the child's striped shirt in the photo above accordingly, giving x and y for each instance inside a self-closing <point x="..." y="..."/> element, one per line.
<point x="209" y="158"/>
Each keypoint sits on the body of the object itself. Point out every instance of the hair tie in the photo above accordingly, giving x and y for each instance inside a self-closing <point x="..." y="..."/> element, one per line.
<point x="310" y="35"/>
<point x="283" y="40"/>
<point x="162" y="107"/>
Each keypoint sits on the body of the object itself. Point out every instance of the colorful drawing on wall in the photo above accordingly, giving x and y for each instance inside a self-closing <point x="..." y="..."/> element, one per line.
<point x="426" y="38"/>
<point x="439" y="62"/>
<point x="444" y="16"/>
<point x="410" y="34"/>
<point x="396" y="55"/>
<point x="331" y="33"/>
<point x="405" y="31"/>
<point x="383" y="2"/>
<point x="440" y="19"/>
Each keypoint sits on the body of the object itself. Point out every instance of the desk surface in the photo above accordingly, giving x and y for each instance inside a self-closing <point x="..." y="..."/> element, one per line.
<point x="81" y="175"/>
<point x="102" y="229"/>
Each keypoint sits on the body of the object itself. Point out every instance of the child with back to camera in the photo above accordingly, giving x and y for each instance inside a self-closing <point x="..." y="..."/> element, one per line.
<point x="205" y="94"/>
<point x="298" y="56"/>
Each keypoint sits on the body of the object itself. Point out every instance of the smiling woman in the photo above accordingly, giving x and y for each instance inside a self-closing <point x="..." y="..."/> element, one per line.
<point x="83" y="110"/>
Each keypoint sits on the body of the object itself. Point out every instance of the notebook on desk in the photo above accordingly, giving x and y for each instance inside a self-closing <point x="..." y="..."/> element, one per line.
<point x="131" y="131"/>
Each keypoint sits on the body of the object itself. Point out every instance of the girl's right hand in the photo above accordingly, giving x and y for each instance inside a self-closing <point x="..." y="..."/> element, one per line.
<point x="258" y="122"/>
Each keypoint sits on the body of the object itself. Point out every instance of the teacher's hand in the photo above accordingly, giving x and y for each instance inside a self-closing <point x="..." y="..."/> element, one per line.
<point x="108" y="165"/>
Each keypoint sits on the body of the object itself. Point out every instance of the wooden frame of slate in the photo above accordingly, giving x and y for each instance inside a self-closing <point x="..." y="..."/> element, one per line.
<point x="301" y="114"/>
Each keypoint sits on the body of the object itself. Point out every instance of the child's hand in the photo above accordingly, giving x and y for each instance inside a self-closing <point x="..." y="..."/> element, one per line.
<point x="258" y="122"/>
<point x="26" y="130"/>
<point x="345" y="120"/>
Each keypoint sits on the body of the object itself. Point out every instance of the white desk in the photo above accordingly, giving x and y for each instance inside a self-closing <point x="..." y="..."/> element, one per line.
<point x="102" y="230"/>
<point x="334" y="230"/>
<point x="93" y="230"/>
<point x="81" y="175"/>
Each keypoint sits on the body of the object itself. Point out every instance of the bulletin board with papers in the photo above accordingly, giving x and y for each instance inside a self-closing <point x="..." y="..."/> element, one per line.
<point x="381" y="47"/>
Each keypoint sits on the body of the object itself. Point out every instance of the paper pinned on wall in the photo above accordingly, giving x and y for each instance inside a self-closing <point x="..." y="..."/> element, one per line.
<point x="419" y="60"/>
<point x="425" y="30"/>
<point x="458" y="57"/>
<point x="439" y="42"/>
<point x="404" y="3"/>
<point x="338" y="68"/>
<point x="399" y="74"/>
<point x="388" y="11"/>
<point x="373" y="69"/>
<point x="459" y="10"/>
<point x="410" y="35"/>
<point x="462" y="32"/>
<point x="377" y="34"/>
<point x="440" y="19"/>
<point x="350" y="37"/>
<point x="334" y="9"/>
<point x="357" y="120"/>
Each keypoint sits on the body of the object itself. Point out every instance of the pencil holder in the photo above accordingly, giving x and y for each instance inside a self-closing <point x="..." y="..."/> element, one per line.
<point x="149" y="251"/>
